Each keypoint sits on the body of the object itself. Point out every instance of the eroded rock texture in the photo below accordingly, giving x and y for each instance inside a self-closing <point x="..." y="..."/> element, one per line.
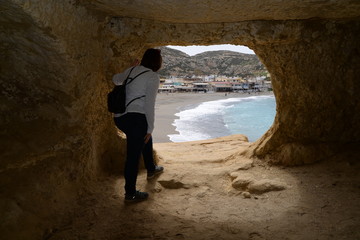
<point x="54" y="127"/>
<point x="316" y="83"/>
<point x="57" y="58"/>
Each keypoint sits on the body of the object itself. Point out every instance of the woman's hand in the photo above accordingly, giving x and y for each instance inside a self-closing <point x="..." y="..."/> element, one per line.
<point x="147" y="138"/>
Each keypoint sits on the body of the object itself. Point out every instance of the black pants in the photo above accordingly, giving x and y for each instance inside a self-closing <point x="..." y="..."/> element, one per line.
<point x="134" y="125"/>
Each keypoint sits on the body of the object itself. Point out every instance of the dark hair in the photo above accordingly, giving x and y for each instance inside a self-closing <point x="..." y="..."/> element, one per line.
<point x="152" y="59"/>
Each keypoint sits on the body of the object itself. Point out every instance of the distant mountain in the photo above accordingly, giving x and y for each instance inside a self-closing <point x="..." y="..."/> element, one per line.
<point x="227" y="63"/>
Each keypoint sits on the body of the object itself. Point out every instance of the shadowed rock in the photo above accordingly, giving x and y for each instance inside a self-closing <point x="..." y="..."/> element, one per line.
<point x="173" y="184"/>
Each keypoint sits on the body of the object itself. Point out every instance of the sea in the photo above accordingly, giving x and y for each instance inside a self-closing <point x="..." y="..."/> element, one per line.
<point x="251" y="116"/>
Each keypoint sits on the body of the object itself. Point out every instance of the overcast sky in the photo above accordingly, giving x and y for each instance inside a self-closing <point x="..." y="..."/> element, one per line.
<point x="193" y="50"/>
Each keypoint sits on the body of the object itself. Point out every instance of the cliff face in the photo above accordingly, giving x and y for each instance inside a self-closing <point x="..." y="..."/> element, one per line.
<point x="57" y="59"/>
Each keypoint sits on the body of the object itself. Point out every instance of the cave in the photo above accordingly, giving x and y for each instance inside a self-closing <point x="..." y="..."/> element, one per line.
<point x="58" y="57"/>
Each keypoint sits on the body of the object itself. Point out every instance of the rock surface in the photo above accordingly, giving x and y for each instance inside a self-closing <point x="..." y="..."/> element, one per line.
<point x="314" y="81"/>
<point x="173" y="184"/>
<point x="57" y="59"/>
<point x="212" y="11"/>
<point x="254" y="184"/>
<point x="266" y="185"/>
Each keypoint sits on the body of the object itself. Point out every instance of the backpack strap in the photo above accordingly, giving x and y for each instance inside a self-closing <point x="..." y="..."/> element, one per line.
<point x="125" y="82"/>
<point x="134" y="100"/>
<point x="131" y="79"/>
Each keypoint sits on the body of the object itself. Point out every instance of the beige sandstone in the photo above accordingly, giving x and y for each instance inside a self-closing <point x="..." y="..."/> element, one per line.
<point x="57" y="58"/>
<point x="210" y="11"/>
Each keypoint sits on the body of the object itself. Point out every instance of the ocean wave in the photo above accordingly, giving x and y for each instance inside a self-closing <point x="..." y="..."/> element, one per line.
<point x="211" y="119"/>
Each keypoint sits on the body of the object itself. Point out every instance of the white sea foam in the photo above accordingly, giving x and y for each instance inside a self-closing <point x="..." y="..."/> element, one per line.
<point x="211" y="119"/>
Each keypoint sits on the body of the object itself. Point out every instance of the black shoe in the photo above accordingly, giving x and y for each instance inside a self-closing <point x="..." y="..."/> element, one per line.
<point x="158" y="170"/>
<point x="136" y="197"/>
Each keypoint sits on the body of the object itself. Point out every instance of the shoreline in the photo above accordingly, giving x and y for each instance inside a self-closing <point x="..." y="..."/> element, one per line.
<point x="168" y="104"/>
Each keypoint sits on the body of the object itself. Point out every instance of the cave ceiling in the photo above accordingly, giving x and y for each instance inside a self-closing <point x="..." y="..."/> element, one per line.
<point x="212" y="11"/>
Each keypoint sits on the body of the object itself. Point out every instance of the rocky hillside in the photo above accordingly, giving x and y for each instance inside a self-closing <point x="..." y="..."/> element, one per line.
<point x="228" y="63"/>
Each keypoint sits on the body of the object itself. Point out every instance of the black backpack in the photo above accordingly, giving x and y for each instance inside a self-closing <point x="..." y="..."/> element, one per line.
<point x="116" y="99"/>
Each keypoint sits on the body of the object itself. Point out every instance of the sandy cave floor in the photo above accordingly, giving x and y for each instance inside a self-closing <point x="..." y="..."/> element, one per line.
<point x="194" y="199"/>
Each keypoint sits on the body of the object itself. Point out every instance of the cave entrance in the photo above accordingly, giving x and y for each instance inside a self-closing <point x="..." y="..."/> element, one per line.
<point x="212" y="91"/>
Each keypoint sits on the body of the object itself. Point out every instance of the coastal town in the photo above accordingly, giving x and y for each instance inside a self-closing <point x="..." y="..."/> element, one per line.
<point x="215" y="83"/>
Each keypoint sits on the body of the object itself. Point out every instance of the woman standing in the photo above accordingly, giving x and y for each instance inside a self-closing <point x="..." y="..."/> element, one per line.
<point x="137" y="122"/>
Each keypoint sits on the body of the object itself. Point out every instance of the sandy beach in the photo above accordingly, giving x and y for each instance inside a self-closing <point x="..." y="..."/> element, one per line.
<point x="167" y="105"/>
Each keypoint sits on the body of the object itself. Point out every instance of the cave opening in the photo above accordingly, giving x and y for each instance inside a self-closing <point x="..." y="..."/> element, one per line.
<point x="221" y="90"/>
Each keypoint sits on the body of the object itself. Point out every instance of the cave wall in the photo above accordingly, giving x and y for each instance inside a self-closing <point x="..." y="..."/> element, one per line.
<point x="54" y="127"/>
<point x="316" y="83"/>
<point x="56" y="62"/>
